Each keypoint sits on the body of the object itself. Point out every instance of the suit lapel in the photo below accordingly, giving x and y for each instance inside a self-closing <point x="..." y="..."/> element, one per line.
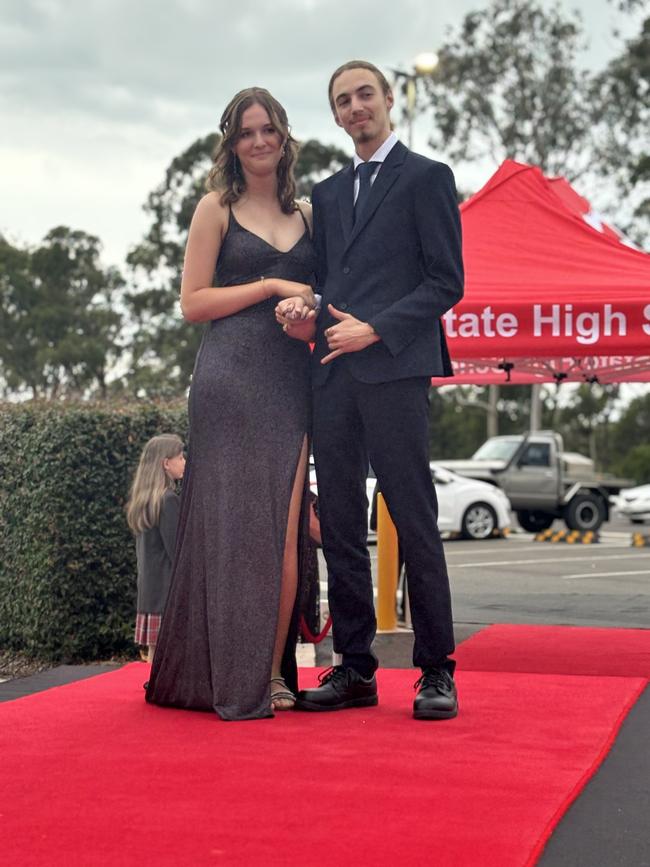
<point x="346" y="200"/>
<point x="388" y="174"/>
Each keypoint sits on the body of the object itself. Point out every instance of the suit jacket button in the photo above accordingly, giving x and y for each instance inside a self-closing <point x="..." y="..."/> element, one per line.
<point x="346" y="270"/>
<point x="342" y="305"/>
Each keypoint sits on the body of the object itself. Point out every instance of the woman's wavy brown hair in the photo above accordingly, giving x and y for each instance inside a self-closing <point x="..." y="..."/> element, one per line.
<point x="226" y="176"/>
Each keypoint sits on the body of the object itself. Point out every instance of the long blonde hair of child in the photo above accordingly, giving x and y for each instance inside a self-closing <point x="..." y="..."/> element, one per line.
<point x="151" y="481"/>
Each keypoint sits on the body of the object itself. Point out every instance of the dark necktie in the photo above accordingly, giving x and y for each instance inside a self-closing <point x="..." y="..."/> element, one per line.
<point x="365" y="172"/>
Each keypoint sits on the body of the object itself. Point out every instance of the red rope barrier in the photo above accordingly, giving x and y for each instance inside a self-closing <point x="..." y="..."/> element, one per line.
<point x="314" y="639"/>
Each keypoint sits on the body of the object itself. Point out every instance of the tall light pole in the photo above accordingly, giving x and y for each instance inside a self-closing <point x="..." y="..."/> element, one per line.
<point x="422" y="65"/>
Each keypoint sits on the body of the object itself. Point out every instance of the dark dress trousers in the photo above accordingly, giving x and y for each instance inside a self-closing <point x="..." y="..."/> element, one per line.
<point x="398" y="267"/>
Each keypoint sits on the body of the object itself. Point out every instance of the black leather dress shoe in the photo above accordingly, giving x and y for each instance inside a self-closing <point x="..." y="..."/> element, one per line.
<point x="339" y="688"/>
<point x="436" y="698"/>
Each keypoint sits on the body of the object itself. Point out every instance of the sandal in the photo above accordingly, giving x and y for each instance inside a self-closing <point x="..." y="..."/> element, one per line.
<point x="281" y="695"/>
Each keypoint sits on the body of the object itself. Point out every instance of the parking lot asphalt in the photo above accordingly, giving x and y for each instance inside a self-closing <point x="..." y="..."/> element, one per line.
<point x="519" y="580"/>
<point x="607" y="584"/>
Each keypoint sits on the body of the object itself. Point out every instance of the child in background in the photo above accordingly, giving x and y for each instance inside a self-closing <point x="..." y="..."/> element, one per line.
<point x="152" y="515"/>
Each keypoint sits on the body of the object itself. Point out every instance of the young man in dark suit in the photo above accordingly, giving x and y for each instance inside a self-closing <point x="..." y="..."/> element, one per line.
<point x="387" y="235"/>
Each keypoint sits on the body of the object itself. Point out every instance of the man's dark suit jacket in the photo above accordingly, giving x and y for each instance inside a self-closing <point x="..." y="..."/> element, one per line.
<point x="398" y="267"/>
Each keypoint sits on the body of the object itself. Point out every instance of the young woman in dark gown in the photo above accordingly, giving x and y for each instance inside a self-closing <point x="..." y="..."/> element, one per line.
<point x="227" y="641"/>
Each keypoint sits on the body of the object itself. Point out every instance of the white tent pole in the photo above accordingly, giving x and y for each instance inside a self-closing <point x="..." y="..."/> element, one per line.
<point x="535" y="407"/>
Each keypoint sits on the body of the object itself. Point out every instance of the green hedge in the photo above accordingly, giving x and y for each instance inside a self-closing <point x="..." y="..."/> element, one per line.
<point x="67" y="557"/>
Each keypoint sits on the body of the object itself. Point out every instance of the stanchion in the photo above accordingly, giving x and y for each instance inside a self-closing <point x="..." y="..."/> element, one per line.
<point x="387" y="568"/>
<point x="406" y="603"/>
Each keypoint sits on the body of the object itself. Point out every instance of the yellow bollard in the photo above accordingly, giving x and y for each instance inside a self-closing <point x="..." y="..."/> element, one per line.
<point x="387" y="565"/>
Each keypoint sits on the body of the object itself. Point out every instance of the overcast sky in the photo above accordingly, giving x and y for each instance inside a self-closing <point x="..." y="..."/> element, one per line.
<point x="97" y="96"/>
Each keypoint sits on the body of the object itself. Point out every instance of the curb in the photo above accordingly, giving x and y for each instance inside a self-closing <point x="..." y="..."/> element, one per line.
<point x="454" y="535"/>
<point x="570" y="537"/>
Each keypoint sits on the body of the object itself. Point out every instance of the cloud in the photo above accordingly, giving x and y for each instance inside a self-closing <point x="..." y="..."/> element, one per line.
<point x="158" y="62"/>
<point x="97" y="96"/>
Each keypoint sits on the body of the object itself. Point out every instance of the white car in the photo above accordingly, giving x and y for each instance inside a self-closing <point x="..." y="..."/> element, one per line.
<point x="634" y="504"/>
<point x="466" y="506"/>
<point x="469" y="507"/>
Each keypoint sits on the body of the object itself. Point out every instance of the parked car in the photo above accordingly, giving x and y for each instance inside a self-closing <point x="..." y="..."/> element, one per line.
<point x="634" y="504"/>
<point x="542" y="481"/>
<point x="472" y="508"/>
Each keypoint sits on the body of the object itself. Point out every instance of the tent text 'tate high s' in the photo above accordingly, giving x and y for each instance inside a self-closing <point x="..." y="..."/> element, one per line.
<point x="551" y="293"/>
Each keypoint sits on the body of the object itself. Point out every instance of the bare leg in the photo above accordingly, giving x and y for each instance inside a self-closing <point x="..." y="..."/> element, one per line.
<point x="289" y="584"/>
<point x="151" y="649"/>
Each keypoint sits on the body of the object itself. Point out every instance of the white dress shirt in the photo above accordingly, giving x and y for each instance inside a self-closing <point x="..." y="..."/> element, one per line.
<point x="378" y="157"/>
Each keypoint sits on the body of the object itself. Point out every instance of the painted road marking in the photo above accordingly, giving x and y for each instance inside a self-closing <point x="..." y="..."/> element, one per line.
<point x="543" y="560"/>
<point x="606" y="574"/>
<point x="537" y="549"/>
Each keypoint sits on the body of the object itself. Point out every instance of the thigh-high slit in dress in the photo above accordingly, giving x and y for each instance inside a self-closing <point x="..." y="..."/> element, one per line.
<point x="249" y="413"/>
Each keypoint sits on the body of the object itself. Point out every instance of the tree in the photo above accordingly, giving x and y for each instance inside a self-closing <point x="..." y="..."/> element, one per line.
<point x="636" y="464"/>
<point x="631" y="441"/>
<point x="162" y="345"/>
<point x="459" y="423"/>
<point x="58" y="324"/>
<point x="585" y="423"/>
<point x="18" y="297"/>
<point x="633" y="427"/>
<point x="503" y="410"/>
<point x="456" y="427"/>
<point x="315" y="162"/>
<point x="507" y="86"/>
<point x="621" y="94"/>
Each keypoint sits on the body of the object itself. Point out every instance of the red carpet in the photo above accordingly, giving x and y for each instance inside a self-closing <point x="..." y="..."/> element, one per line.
<point x="558" y="650"/>
<point x="94" y="776"/>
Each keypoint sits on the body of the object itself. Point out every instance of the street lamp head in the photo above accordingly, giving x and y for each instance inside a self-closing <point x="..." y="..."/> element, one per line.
<point x="425" y="63"/>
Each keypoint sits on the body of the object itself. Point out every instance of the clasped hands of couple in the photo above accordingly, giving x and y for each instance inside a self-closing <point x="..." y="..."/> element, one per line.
<point x="298" y="320"/>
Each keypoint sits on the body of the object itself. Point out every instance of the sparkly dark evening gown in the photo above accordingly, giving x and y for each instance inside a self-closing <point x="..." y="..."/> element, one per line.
<point x="249" y="410"/>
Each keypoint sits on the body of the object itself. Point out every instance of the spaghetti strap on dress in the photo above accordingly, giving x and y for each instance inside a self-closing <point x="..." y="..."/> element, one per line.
<point x="249" y="411"/>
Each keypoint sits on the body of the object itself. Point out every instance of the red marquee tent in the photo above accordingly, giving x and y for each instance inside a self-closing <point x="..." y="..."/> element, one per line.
<point x="552" y="293"/>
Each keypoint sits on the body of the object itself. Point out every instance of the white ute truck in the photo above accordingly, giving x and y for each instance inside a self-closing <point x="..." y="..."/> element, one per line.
<point x="542" y="481"/>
